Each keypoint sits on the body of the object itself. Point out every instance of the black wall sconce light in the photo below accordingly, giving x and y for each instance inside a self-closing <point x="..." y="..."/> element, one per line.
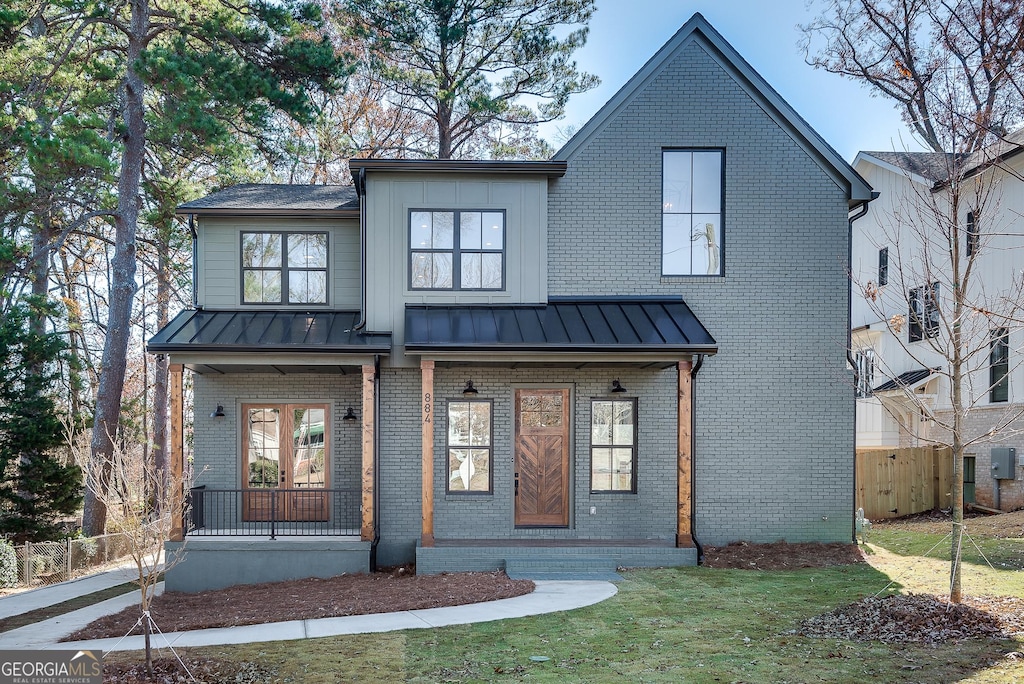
<point x="469" y="390"/>
<point x="350" y="415"/>
<point x="218" y="412"/>
<point x="617" y="387"/>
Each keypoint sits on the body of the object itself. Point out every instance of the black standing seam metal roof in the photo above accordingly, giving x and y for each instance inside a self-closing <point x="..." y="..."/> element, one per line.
<point x="250" y="331"/>
<point x="592" y="325"/>
<point x="904" y="380"/>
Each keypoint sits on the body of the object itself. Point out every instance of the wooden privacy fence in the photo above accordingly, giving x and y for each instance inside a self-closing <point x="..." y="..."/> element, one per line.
<point x="896" y="482"/>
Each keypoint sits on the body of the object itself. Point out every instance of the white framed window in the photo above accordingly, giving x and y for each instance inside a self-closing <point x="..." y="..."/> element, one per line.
<point x="691" y="212"/>
<point x="924" y="312"/>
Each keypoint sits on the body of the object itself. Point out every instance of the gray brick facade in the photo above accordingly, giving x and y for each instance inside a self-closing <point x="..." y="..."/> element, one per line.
<point x="774" y="412"/>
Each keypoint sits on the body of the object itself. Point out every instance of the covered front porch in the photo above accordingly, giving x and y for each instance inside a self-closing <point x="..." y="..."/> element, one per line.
<point x="281" y="482"/>
<point x="570" y="448"/>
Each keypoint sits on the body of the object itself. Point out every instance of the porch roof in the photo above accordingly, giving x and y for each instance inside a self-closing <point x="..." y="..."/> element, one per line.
<point x="569" y="325"/>
<point x="908" y="380"/>
<point x="267" y="331"/>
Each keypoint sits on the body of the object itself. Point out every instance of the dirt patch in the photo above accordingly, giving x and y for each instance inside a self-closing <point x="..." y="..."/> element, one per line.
<point x="780" y="556"/>
<point x="920" y="618"/>
<point x="311" y="598"/>
<point x="169" y="671"/>
<point x="1002" y="526"/>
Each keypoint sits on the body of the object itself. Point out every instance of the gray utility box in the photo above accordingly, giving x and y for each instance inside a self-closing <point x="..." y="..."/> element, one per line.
<point x="1004" y="463"/>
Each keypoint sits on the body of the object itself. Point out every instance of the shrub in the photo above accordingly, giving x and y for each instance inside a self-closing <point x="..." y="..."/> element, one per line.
<point x="8" y="565"/>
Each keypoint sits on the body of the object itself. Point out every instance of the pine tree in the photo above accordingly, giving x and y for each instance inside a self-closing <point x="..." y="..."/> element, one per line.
<point x="38" y="488"/>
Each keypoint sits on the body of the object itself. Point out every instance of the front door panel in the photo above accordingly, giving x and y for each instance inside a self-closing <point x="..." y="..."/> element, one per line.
<point x="542" y="458"/>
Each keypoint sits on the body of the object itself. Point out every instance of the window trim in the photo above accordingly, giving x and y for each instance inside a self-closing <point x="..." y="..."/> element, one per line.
<point x="284" y="269"/>
<point x="448" y="448"/>
<point x="634" y="479"/>
<point x="721" y="213"/>
<point x="456" y="250"/>
<point x="883" y="266"/>
<point x="919" y="330"/>
<point x="999" y="337"/>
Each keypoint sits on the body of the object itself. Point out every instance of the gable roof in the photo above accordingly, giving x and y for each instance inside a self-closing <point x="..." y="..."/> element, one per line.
<point x="698" y="28"/>
<point x="924" y="167"/>
<point x="266" y="199"/>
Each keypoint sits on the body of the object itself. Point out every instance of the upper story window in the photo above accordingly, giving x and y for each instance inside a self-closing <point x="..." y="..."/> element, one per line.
<point x="284" y="268"/>
<point x="456" y="250"/>
<point x="924" y="312"/>
<point x="865" y="360"/>
<point x="691" y="205"/>
<point x="973" y="236"/>
<point x="883" y="266"/>
<point x="999" y="366"/>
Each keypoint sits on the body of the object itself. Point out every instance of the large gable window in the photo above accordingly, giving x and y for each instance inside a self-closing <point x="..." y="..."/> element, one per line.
<point x="284" y="268"/>
<point x="456" y="250"/>
<point x="691" y="205"/>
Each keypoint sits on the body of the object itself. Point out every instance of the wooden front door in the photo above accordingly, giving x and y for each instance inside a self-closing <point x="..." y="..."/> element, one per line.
<point x="542" y="458"/>
<point x="286" y="450"/>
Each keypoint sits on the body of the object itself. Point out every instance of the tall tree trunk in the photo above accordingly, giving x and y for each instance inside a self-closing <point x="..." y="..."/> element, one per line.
<point x="444" y="130"/>
<point x="122" y="285"/>
<point x="162" y="367"/>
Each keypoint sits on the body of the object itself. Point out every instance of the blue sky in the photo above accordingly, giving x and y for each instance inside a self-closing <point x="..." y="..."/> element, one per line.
<point x="624" y="34"/>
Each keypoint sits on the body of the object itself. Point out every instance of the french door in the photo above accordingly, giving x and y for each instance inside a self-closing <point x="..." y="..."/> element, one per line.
<point x="285" y="462"/>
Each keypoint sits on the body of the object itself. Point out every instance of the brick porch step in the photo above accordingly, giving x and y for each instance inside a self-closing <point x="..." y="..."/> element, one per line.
<point x="561" y="566"/>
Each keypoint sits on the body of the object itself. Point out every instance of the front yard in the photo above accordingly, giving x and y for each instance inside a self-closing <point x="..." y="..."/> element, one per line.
<point x="693" y="625"/>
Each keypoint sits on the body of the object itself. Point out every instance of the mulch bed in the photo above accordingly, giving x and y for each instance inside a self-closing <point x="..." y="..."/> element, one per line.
<point x="308" y="599"/>
<point x="781" y="556"/>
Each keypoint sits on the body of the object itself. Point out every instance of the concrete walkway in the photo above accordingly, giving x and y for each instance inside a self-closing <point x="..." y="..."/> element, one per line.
<point x="43" y="597"/>
<point x="549" y="597"/>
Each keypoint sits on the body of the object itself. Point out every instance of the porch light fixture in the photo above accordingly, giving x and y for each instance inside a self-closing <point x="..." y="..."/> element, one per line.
<point x="617" y="387"/>
<point x="218" y="413"/>
<point x="350" y="415"/>
<point x="469" y="390"/>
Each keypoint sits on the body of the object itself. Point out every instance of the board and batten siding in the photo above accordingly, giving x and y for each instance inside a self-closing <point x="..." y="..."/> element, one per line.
<point x="774" y="432"/>
<point x="390" y="199"/>
<point x="219" y="259"/>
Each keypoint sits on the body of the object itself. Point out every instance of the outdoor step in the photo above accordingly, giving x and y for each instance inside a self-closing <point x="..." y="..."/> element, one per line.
<point x="559" y="563"/>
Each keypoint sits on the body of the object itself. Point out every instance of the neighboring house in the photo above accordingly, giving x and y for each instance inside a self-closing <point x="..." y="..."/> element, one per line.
<point x="902" y="386"/>
<point x="499" y="360"/>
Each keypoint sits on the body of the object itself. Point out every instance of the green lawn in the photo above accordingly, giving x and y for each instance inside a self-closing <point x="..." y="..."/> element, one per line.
<point x="678" y="625"/>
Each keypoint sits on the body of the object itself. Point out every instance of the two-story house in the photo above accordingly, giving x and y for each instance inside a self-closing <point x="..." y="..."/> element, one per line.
<point x="605" y="359"/>
<point x="902" y="274"/>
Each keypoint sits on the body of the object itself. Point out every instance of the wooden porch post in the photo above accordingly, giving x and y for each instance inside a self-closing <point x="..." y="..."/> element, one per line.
<point x="177" y="455"/>
<point x="684" y="521"/>
<point x="427" y="475"/>
<point x="369" y="422"/>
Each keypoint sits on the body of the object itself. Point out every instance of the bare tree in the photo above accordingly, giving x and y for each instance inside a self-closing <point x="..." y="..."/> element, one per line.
<point x="955" y="71"/>
<point x="123" y="482"/>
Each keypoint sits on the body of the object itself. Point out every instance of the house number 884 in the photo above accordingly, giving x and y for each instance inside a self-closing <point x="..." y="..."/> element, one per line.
<point x="426" y="407"/>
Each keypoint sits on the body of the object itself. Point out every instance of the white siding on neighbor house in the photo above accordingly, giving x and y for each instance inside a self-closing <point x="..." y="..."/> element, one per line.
<point x="998" y="262"/>
<point x="219" y="259"/>
<point x="392" y="196"/>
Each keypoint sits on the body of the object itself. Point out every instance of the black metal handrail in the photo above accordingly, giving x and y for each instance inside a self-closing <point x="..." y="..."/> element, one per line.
<point x="273" y="512"/>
